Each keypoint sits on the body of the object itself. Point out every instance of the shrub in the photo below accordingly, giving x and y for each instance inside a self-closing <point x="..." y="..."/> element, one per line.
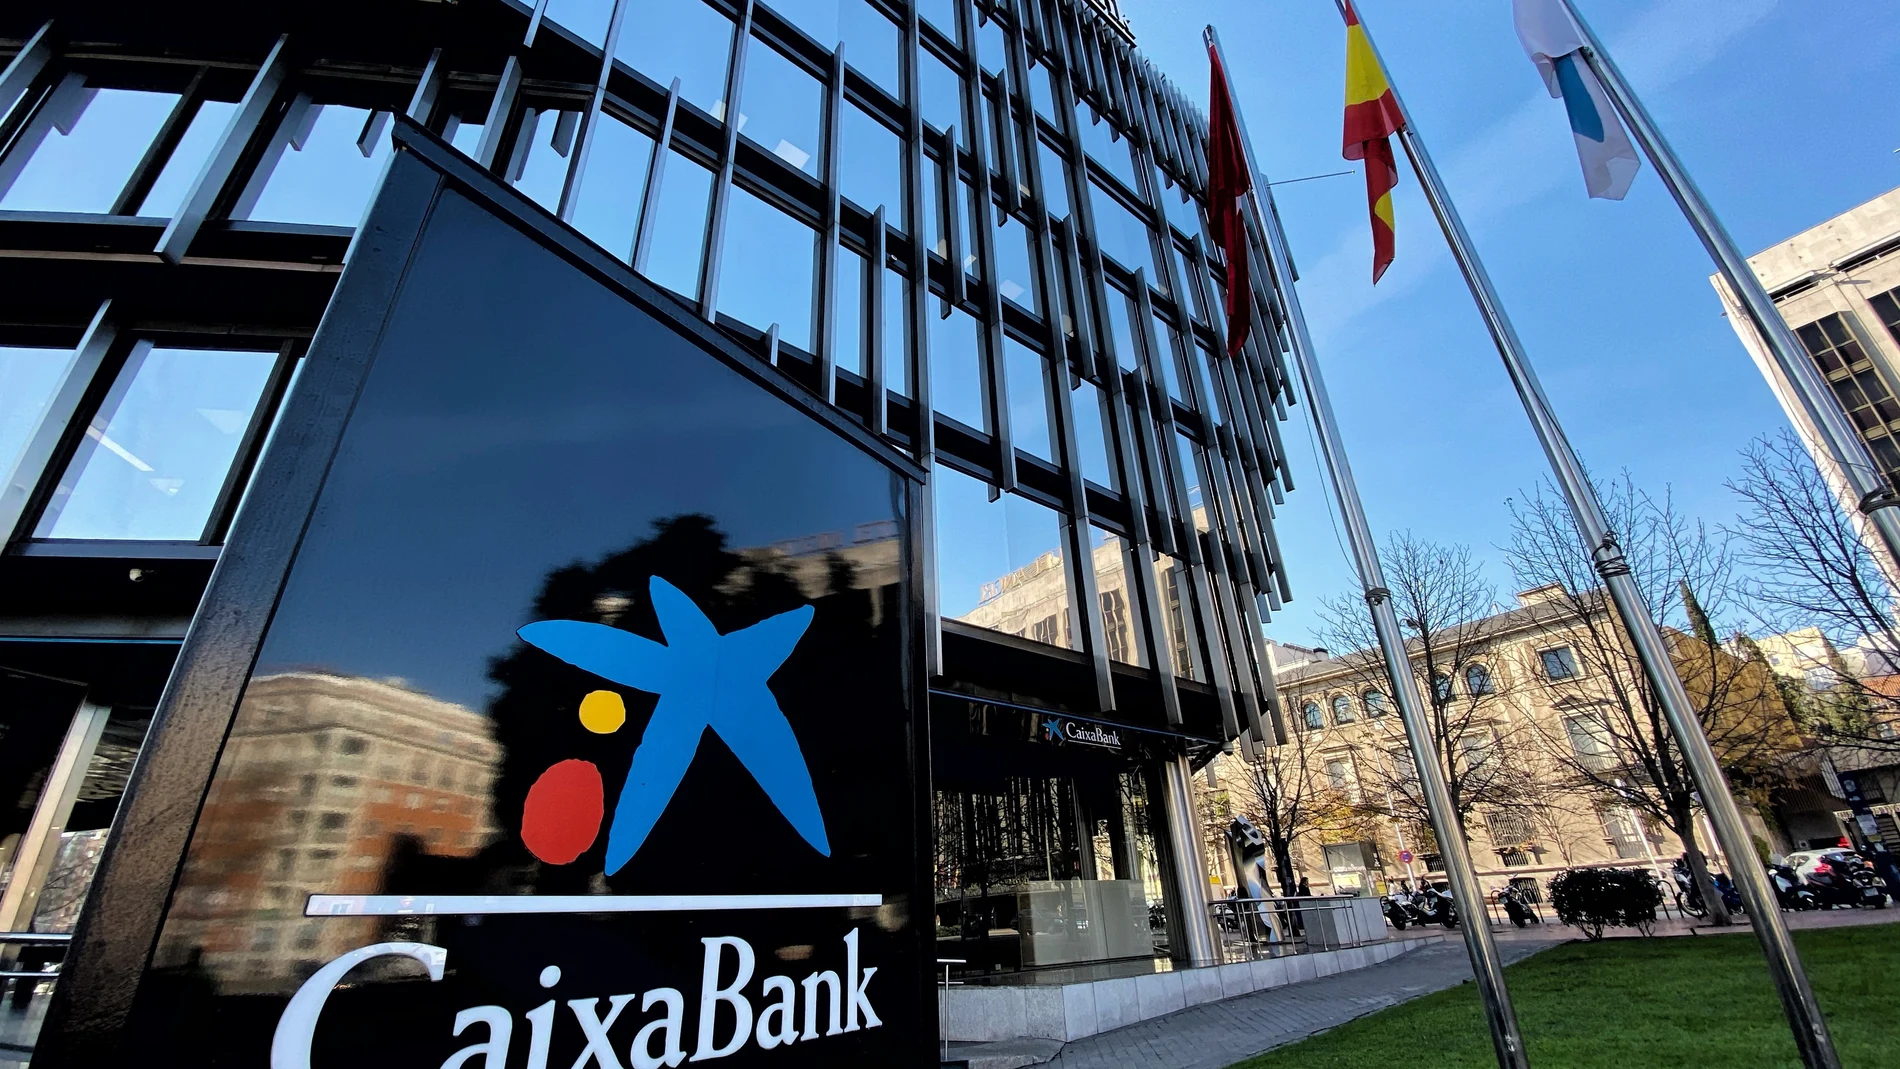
<point x="1594" y="899"/>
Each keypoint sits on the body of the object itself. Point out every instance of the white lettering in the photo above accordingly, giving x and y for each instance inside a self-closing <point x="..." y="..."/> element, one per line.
<point x="855" y="982"/>
<point x="494" y="1052"/>
<point x="787" y="1031"/>
<point x="297" y="1028"/>
<point x="673" y="1025"/>
<point x="600" y="1049"/>
<point x="540" y="1033"/>
<point x="711" y="995"/>
<point x="830" y="980"/>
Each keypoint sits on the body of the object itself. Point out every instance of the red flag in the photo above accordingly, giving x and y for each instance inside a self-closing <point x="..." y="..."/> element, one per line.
<point x="1227" y="182"/>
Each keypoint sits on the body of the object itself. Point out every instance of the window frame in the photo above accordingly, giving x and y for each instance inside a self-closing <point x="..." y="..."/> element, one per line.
<point x="1565" y="651"/>
<point x="208" y="544"/>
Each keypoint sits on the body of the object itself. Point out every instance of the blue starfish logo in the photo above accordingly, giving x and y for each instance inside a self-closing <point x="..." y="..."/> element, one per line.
<point x="705" y="680"/>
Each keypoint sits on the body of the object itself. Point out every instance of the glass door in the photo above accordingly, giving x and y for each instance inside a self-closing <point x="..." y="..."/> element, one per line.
<point x="50" y="747"/>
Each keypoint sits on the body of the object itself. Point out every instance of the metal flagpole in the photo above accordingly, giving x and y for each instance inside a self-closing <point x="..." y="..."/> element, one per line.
<point x="1705" y="769"/>
<point x="1843" y="443"/>
<point x="1474" y="918"/>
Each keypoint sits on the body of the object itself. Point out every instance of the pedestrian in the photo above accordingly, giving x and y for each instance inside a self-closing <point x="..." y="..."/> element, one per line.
<point x="1305" y="889"/>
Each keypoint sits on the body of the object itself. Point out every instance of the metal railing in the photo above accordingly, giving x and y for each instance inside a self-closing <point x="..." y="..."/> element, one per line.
<point x="1273" y="927"/>
<point x="30" y="939"/>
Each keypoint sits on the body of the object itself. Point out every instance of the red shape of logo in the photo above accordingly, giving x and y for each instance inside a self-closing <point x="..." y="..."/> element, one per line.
<point x="562" y="815"/>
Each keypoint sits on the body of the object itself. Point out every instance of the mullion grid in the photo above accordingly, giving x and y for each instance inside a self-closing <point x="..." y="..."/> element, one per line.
<point x="1084" y="58"/>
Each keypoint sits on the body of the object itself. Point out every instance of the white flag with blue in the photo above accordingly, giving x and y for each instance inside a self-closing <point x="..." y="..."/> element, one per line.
<point x="1552" y="40"/>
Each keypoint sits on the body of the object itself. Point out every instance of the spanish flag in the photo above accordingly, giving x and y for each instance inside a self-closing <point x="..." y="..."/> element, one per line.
<point x="1372" y="117"/>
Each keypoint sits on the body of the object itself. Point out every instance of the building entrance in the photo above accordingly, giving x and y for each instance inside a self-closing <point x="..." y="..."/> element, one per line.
<point x="1044" y="854"/>
<point x="67" y="744"/>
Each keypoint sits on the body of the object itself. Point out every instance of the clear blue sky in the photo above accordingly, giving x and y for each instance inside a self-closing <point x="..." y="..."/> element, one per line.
<point x="1784" y="111"/>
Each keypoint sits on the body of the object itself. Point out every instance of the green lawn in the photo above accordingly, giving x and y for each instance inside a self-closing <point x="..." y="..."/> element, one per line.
<point x="1637" y="1003"/>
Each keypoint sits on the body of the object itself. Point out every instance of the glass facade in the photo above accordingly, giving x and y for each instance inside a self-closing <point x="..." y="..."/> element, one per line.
<point x="978" y="229"/>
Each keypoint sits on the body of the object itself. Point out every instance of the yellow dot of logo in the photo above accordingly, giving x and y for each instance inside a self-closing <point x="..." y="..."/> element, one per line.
<point x="602" y="712"/>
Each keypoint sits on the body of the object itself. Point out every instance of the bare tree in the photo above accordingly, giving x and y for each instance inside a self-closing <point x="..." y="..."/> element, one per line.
<point x="1616" y="744"/>
<point x="1287" y="803"/>
<point x="1809" y="568"/>
<point x="1451" y="615"/>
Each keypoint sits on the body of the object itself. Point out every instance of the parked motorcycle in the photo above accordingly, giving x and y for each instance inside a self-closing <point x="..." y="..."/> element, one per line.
<point x="1790" y="894"/>
<point x="1435" y="906"/>
<point x="1395" y="913"/>
<point x="1839" y="878"/>
<point x="1517" y="908"/>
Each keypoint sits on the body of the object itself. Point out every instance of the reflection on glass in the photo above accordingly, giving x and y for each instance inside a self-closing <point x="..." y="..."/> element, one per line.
<point x="767" y="268"/>
<point x="956" y="370"/>
<point x="465" y="136"/>
<point x="687" y="40"/>
<point x="182" y="166"/>
<point x="1121" y="329"/>
<point x="81" y="148"/>
<point x="990" y="50"/>
<point x="1029" y="422"/>
<point x="1121" y="235"/>
<point x="1204" y="374"/>
<point x="542" y="148"/>
<point x="325" y="170"/>
<point x="871" y="166"/>
<point x="1042" y="92"/>
<point x="870" y="39"/>
<point x="587" y="19"/>
<point x="1186" y="454"/>
<point x="613" y="187"/>
<point x="1185" y="268"/>
<point x="1055" y="181"/>
<point x="896" y="333"/>
<point x="781" y="109"/>
<point x="850" y="314"/>
<point x="1165" y="360"/>
<point x="155" y="456"/>
<point x="1120" y="605"/>
<point x="940" y="13"/>
<point x="1181" y="210"/>
<point x="1015" y="272"/>
<point x="679" y="226"/>
<point x="28" y="380"/>
<point x="999" y="563"/>
<point x="1086" y="401"/>
<point x="942" y="95"/>
<point x="1177" y="617"/>
<point x="1103" y="147"/>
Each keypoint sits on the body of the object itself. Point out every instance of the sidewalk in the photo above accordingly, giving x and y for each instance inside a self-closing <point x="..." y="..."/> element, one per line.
<point x="1219" y="1034"/>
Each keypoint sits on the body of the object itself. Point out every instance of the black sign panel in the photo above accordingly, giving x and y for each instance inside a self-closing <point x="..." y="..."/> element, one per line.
<point x="584" y="732"/>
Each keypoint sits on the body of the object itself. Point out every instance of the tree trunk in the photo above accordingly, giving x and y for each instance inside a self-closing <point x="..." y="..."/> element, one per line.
<point x="1283" y="865"/>
<point x="1699" y="872"/>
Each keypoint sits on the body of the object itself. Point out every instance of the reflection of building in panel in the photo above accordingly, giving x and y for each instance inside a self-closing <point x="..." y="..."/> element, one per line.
<point x="334" y="772"/>
<point x="1031" y="602"/>
<point x="866" y="557"/>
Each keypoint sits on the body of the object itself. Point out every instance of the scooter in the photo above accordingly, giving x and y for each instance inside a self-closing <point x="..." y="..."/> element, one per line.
<point x="1396" y="914"/>
<point x="1789" y="892"/>
<point x="1518" y="910"/>
<point x="1435" y="907"/>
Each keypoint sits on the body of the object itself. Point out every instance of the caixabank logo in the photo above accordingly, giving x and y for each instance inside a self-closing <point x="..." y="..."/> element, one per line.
<point x="705" y="682"/>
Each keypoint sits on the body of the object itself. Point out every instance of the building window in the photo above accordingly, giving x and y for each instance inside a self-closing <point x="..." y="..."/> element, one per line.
<point x="1559" y="663"/>
<point x="1342" y="709"/>
<point x="1313" y="717"/>
<point x="1478" y="681"/>
<point x="1863" y="393"/>
<point x="1621" y="832"/>
<point x="1474" y="752"/>
<point x="1375" y="703"/>
<point x="1341" y="777"/>
<point x="1000" y="561"/>
<point x="1441" y="686"/>
<point x="156" y="456"/>
<point x="1590" y="742"/>
<point x="1887" y="307"/>
<point x="1511" y="836"/>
